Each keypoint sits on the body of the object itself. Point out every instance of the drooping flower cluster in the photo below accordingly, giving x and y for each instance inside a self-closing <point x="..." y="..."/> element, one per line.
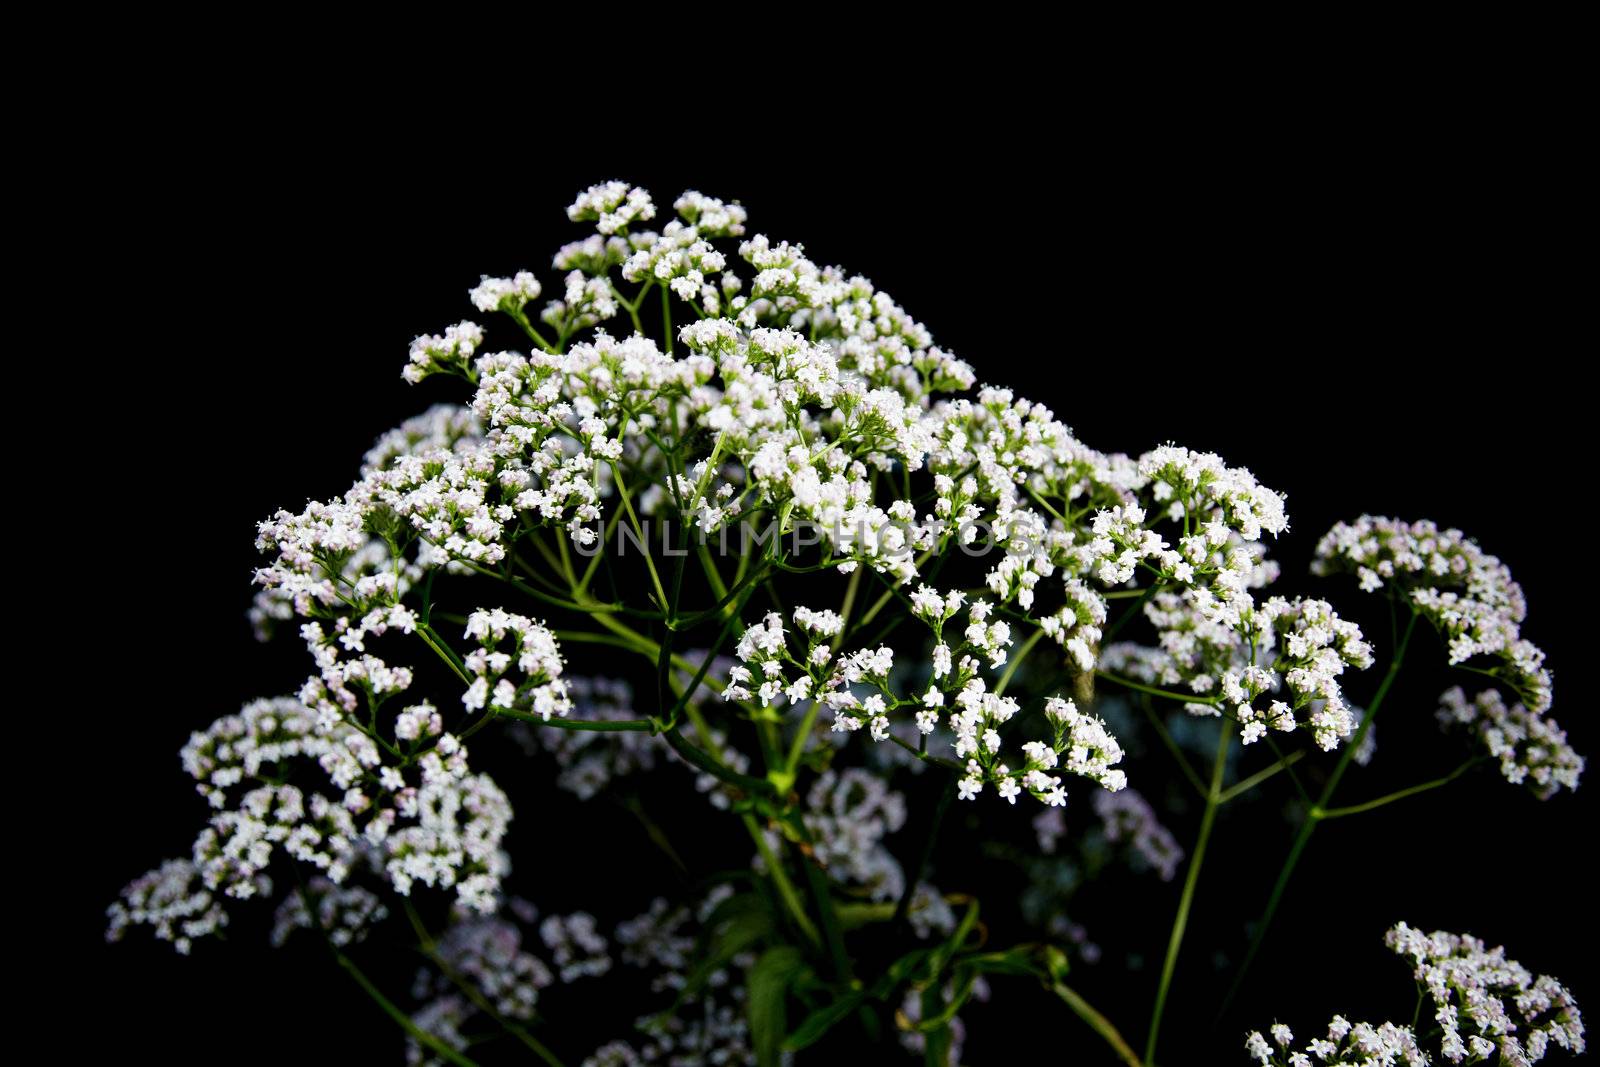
<point x="1466" y="593"/>
<point x="1532" y="749"/>
<point x="427" y="817"/>
<point x="174" y="903"/>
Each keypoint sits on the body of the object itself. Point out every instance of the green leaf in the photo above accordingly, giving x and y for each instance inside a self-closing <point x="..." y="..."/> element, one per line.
<point x="769" y="984"/>
<point x="819" y="1022"/>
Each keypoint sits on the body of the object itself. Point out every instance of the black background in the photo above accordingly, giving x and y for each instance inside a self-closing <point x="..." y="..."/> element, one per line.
<point x="1373" y="320"/>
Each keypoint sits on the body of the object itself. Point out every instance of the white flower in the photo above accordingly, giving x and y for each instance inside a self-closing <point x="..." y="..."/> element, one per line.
<point x="1532" y="749"/>
<point x="1467" y="593"/>
<point x="505" y="294"/>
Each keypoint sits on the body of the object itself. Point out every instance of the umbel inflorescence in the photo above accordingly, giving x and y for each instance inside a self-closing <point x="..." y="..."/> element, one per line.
<point x="840" y="565"/>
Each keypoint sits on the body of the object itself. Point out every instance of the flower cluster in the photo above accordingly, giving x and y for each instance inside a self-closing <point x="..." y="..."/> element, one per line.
<point x="1298" y="647"/>
<point x="783" y="392"/>
<point x="1531" y="748"/>
<point x="428" y="818"/>
<point x="662" y="942"/>
<point x="1347" y="1044"/>
<point x="343" y="913"/>
<point x="1466" y="593"/>
<point x="1128" y="817"/>
<point x="175" y="905"/>
<point x="849" y="814"/>
<point x="1486" y="1002"/>
<point x="490" y="954"/>
<point x="506" y="640"/>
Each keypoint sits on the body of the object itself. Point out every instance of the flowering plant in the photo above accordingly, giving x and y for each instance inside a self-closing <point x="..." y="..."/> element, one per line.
<point x="831" y="565"/>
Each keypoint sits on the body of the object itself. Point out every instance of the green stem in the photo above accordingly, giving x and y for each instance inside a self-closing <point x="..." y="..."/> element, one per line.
<point x="1309" y="823"/>
<point x="666" y="318"/>
<point x="1180" y="921"/>
<point x="780" y="878"/>
<point x="589" y="608"/>
<point x="1016" y="661"/>
<point x="1172" y="747"/>
<point x="638" y="528"/>
<point x="712" y="767"/>
<point x="435" y="642"/>
<point x="948" y="764"/>
<point x="439" y="1048"/>
<point x="1399" y="794"/>
<point x="1187" y="698"/>
<point x="522" y="320"/>
<point x="818" y="880"/>
<point x="603" y="726"/>
<point x="473" y="993"/>
<point x="1260" y="776"/>
<point x="1098" y="1022"/>
<point x="850" y="590"/>
<point x="657" y="835"/>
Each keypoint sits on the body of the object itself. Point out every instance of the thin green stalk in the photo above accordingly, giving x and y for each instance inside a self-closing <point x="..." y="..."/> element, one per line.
<point x="1098" y="1022"/>
<point x="588" y="638"/>
<point x="1155" y="691"/>
<point x="1180" y="921"/>
<point x="850" y="590"/>
<point x="657" y="835"/>
<point x="780" y="878"/>
<point x="797" y="747"/>
<point x="1398" y="794"/>
<point x="594" y="561"/>
<point x="1299" y="786"/>
<point x="714" y="767"/>
<point x="522" y="320"/>
<point x="638" y="529"/>
<point x="888" y="594"/>
<point x="832" y="934"/>
<point x="1129" y="615"/>
<point x="432" y="639"/>
<point x="1016" y="661"/>
<point x="1172" y="747"/>
<point x="1308" y="824"/>
<point x="433" y="1044"/>
<point x="1247" y="784"/>
<point x="948" y="764"/>
<point x="602" y="726"/>
<point x="666" y="319"/>
<point x="473" y="993"/>
<point x="589" y="608"/>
